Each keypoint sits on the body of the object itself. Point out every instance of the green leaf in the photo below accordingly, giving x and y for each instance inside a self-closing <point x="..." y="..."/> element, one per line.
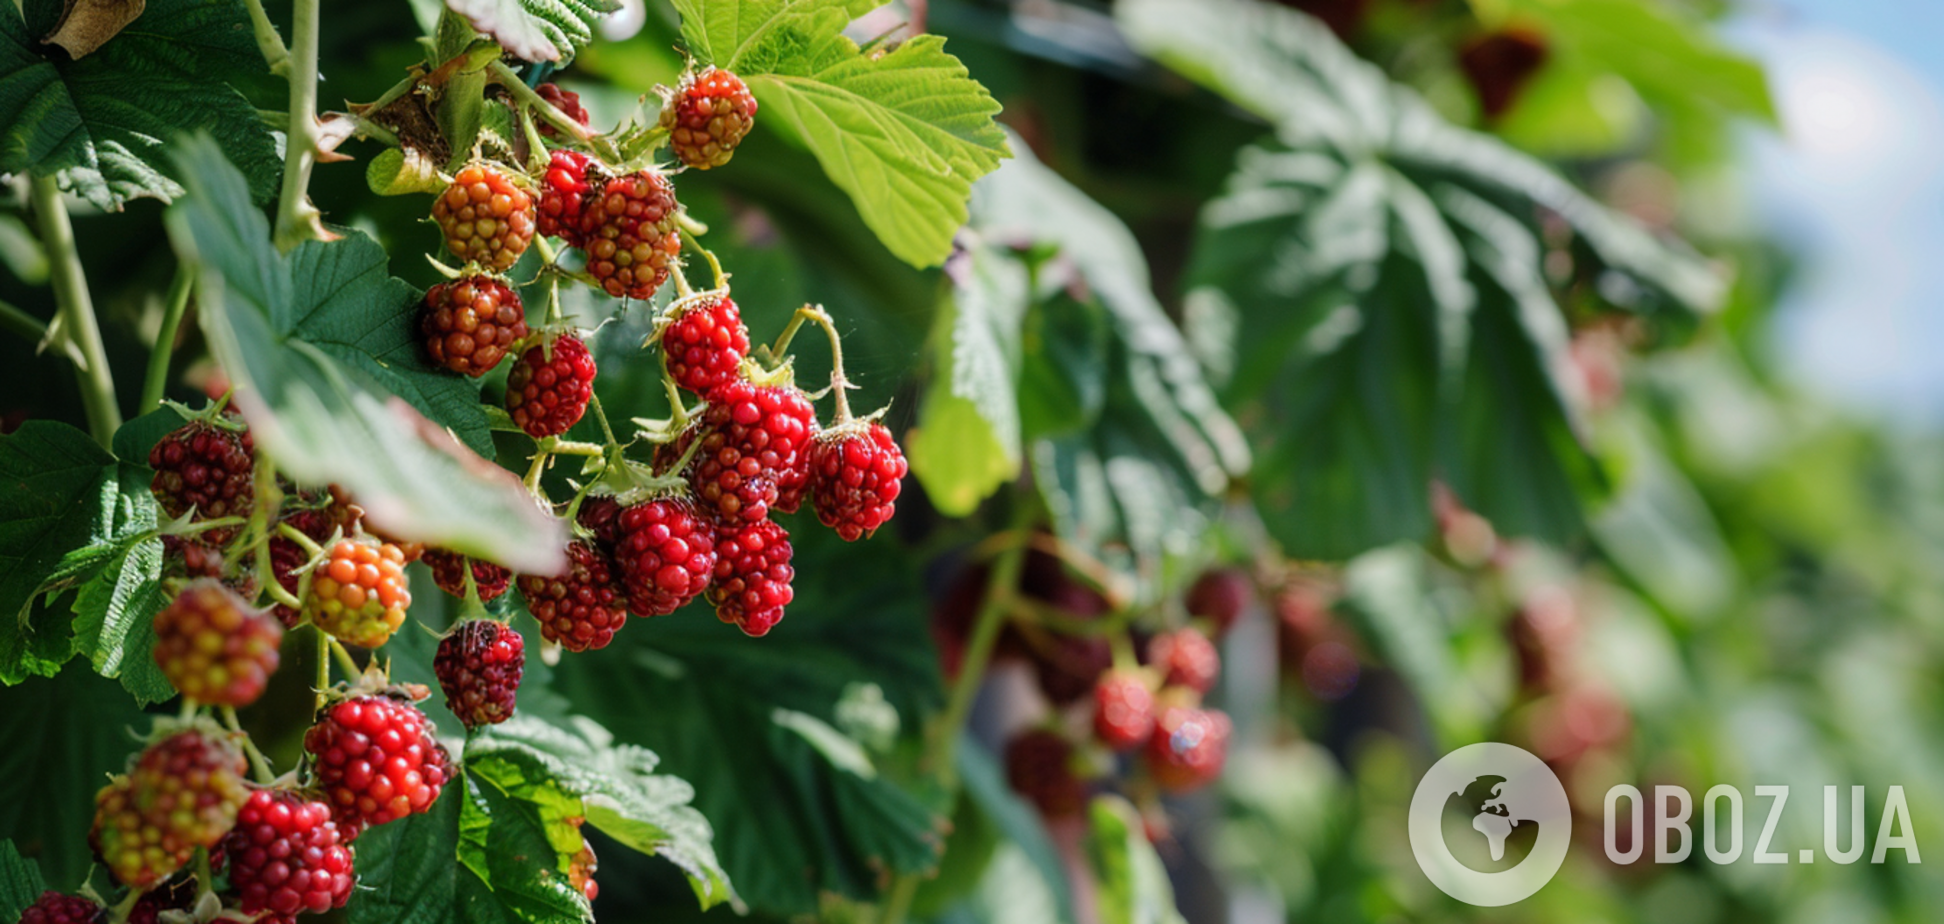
<point x="967" y="442"/>
<point x="537" y="30"/>
<point x="1064" y="348"/>
<point x="1134" y="887"/>
<point x="731" y="34"/>
<point x="64" y="736"/>
<point x="20" y="882"/>
<point x="113" y="618"/>
<point x="102" y="122"/>
<point x="136" y="437"/>
<point x="320" y="345"/>
<point x="1020" y="824"/>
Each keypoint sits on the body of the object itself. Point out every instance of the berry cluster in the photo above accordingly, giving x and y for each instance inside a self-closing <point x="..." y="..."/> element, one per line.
<point x="286" y="855"/>
<point x="376" y="761"/>
<point x="487" y="216"/>
<point x="205" y="469"/>
<point x="707" y="116"/>
<point x="479" y="665"/>
<point x="214" y="647"/>
<point x="181" y="793"/>
<point x="358" y="593"/>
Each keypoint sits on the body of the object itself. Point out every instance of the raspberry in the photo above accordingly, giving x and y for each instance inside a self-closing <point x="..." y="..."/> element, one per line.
<point x="581" y="608"/>
<point x="855" y="471"/>
<point x="550" y="385"/>
<point x="1188" y="747"/>
<point x="567" y="101"/>
<point x="54" y="908"/>
<point x="1068" y="671"/>
<point x="358" y="593"/>
<point x="1185" y="658"/>
<point x="286" y="856"/>
<point x="1219" y="596"/>
<point x="563" y="195"/>
<point x="286" y="556"/>
<point x="600" y="515"/>
<point x="752" y="576"/>
<point x="1039" y="766"/>
<point x="479" y="665"/>
<point x="376" y="761"/>
<point x="629" y="232"/>
<point x="666" y="552"/>
<point x="469" y="323"/>
<point x="206" y="467"/>
<point x="486" y="217"/>
<point x="182" y="793"/>
<point x="190" y="557"/>
<point x="707" y="117"/>
<point x="448" y="572"/>
<point x="755" y="440"/>
<point x="704" y="345"/>
<point x="214" y="647"/>
<point x="1123" y="710"/>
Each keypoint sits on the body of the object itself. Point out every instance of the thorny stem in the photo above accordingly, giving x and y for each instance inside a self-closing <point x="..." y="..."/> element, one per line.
<point x="267" y="39"/>
<point x="75" y="319"/>
<point x="297" y="219"/>
<point x="159" y="355"/>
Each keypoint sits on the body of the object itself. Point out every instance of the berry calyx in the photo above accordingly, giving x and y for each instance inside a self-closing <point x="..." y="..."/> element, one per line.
<point x="1123" y="710"/>
<point x="1188" y="746"/>
<point x="214" y="647"/>
<point x="449" y="572"/>
<point x="567" y="101"/>
<point x="181" y="794"/>
<point x="1185" y="658"/>
<point x="628" y="228"/>
<point x="707" y="117"/>
<point x="550" y="386"/>
<point x="54" y="908"/>
<point x="855" y="475"/>
<point x="469" y="323"/>
<point x="563" y="193"/>
<point x="287" y="856"/>
<point x="486" y="216"/>
<point x="376" y="761"/>
<point x="704" y="344"/>
<point x="1039" y="766"/>
<point x="752" y="576"/>
<point x="479" y="666"/>
<point x="582" y="607"/>
<point x="755" y="441"/>
<point x="358" y="594"/>
<point x="205" y="466"/>
<point x="666" y="552"/>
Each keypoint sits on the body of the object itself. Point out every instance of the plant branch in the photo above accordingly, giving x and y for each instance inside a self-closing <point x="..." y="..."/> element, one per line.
<point x="76" y="317"/>
<point x="297" y="219"/>
<point x="267" y="39"/>
<point x="157" y="380"/>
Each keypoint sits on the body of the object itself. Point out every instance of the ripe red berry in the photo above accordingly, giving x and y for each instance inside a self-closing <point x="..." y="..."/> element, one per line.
<point x="469" y="323"/>
<point x="487" y="218"/>
<point x="1039" y="766"/>
<point x="208" y="467"/>
<point x="359" y="593"/>
<point x="704" y="344"/>
<point x="550" y="385"/>
<point x="628" y="228"/>
<point x="1188" y="747"/>
<point x="448" y="571"/>
<point x="581" y="608"/>
<point x="1219" y="596"/>
<point x="1123" y="710"/>
<point x="479" y="666"/>
<point x="214" y="647"/>
<point x="666" y="552"/>
<point x="54" y="908"/>
<point x="1185" y="658"/>
<point x="563" y="193"/>
<point x="707" y="117"/>
<point x="376" y="761"/>
<point x="755" y="439"/>
<point x="600" y="514"/>
<point x="855" y="474"/>
<point x="752" y="576"/>
<point x="287" y="856"/>
<point x="181" y="794"/>
<point x="567" y="101"/>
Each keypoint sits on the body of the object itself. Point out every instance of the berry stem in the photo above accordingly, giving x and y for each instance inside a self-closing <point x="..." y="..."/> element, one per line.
<point x="206" y="877"/>
<point x="191" y="529"/>
<point x="838" y="383"/>
<point x="531" y="100"/>
<point x="536" y="145"/>
<point x="259" y="764"/>
<point x="607" y="430"/>
<point x="678" y="415"/>
<point x="304" y="542"/>
<point x="268" y="41"/>
<point x="74" y="321"/>
<point x="323" y="667"/>
<point x="349" y="664"/>
<point x="535" y="470"/>
<point x="157" y="380"/>
<point x="557" y="446"/>
<point x="297" y="219"/>
<point x="119" y="913"/>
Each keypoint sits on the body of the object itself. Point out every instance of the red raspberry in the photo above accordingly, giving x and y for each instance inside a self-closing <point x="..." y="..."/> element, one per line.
<point x="600" y="515"/>
<point x="755" y="440"/>
<point x="752" y="576"/>
<point x="1185" y="658"/>
<point x="1123" y="710"/>
<point x="855" y="474"/>
<point x="54" y="908"/>
<point x="376" y="761"/>
<point x="469" y="323"/>
<point x="206" y="467"/>
<point x="287" y="856"/>
<point x="704" y="345"/>
<point x="567" y="101"/>
<point x="177" y="893"/>
<point x="1219" y="596"/>
<point x="448" y="572"/>
<point x="707" y="117"/>
<point x="563" y="193"/>
<point x="479" y="666"/>
<point x="1188" y="747"/>
<point x="630" y="234"/>
<point x="214" y="647"/>
<point x="666" y="552"/>
<point x="182" y="793"/>
<point x="581" y="608"/>
<point x="1068" y="670"/>
<point x="359" y="593"/>
<point x="1039" y="766"/>
<point x="550" y="385"/>
<point x="487" y="218"/>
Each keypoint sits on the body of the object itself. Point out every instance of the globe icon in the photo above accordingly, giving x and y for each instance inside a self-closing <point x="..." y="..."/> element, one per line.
<point x="1490" y="826"/>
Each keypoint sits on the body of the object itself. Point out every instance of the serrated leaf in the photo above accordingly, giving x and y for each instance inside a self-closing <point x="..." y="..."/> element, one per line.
<point x="537" y="30"/>
<point x="321" y="348"/>
<point x="114" y="614"/>
<point x="64" y="736"/>
<point x="967" y="442"/>
<point x="730" y="34"/>
<point x="20" y="882"/>
<point x="102" y="122"/>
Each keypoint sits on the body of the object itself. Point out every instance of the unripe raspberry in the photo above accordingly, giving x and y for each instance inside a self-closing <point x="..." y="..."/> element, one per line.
<point x="550" y="386"/>
<point x="54" y="908"/>
<point x="214" y="647"/>
<point x="1039" y="766"/>
<point x="286" y="556"/>
<point x="1185" y="658"/>
<point x="287" y="856"/>
<point x="1188" y="747"/>
<point x="752" y="576"/>
<point x="468" y="324"/>
<point x="563" y="195"/>
<point x="708" y="115"/>
<point x="1123" y="710"/>
<point x="666" y="552"/>
<point x="479" y="666"/>
<point x="359" y="593"/>
<point x="855" y="475"/>
<point x="487" y="218"/>
<point x="376" y="761"/>
<point x="207" y="467"/>
<point x="181" y="794"/>
<point x="630" y="233"/>
<point x="704" y="345"/>
<point x="567" y="101"/>
<point x="581" y="608"/>
<point x="449" y="572"/>
<point x="191" y="557"/>
<point x="755" y="440"/>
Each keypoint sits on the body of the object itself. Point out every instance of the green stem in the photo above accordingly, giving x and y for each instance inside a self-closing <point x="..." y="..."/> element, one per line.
<point x="297" y="219"/>
<point x="527" y="97"/>
<point x="259" y="764"/>
<point x="30" y="328"/>
<point x="345" y="662"/>
<point x="267" y="39"/>
<point x="292" y="533"/>
<point x="119" y="913"/>
<point x="838" y="383"/>
<point x="607" y="430"/>
<point x="323" y="666"/>
<point x="159" y="355"/>
<point x="76" y="314"/>
<point x="678" y="416"/>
